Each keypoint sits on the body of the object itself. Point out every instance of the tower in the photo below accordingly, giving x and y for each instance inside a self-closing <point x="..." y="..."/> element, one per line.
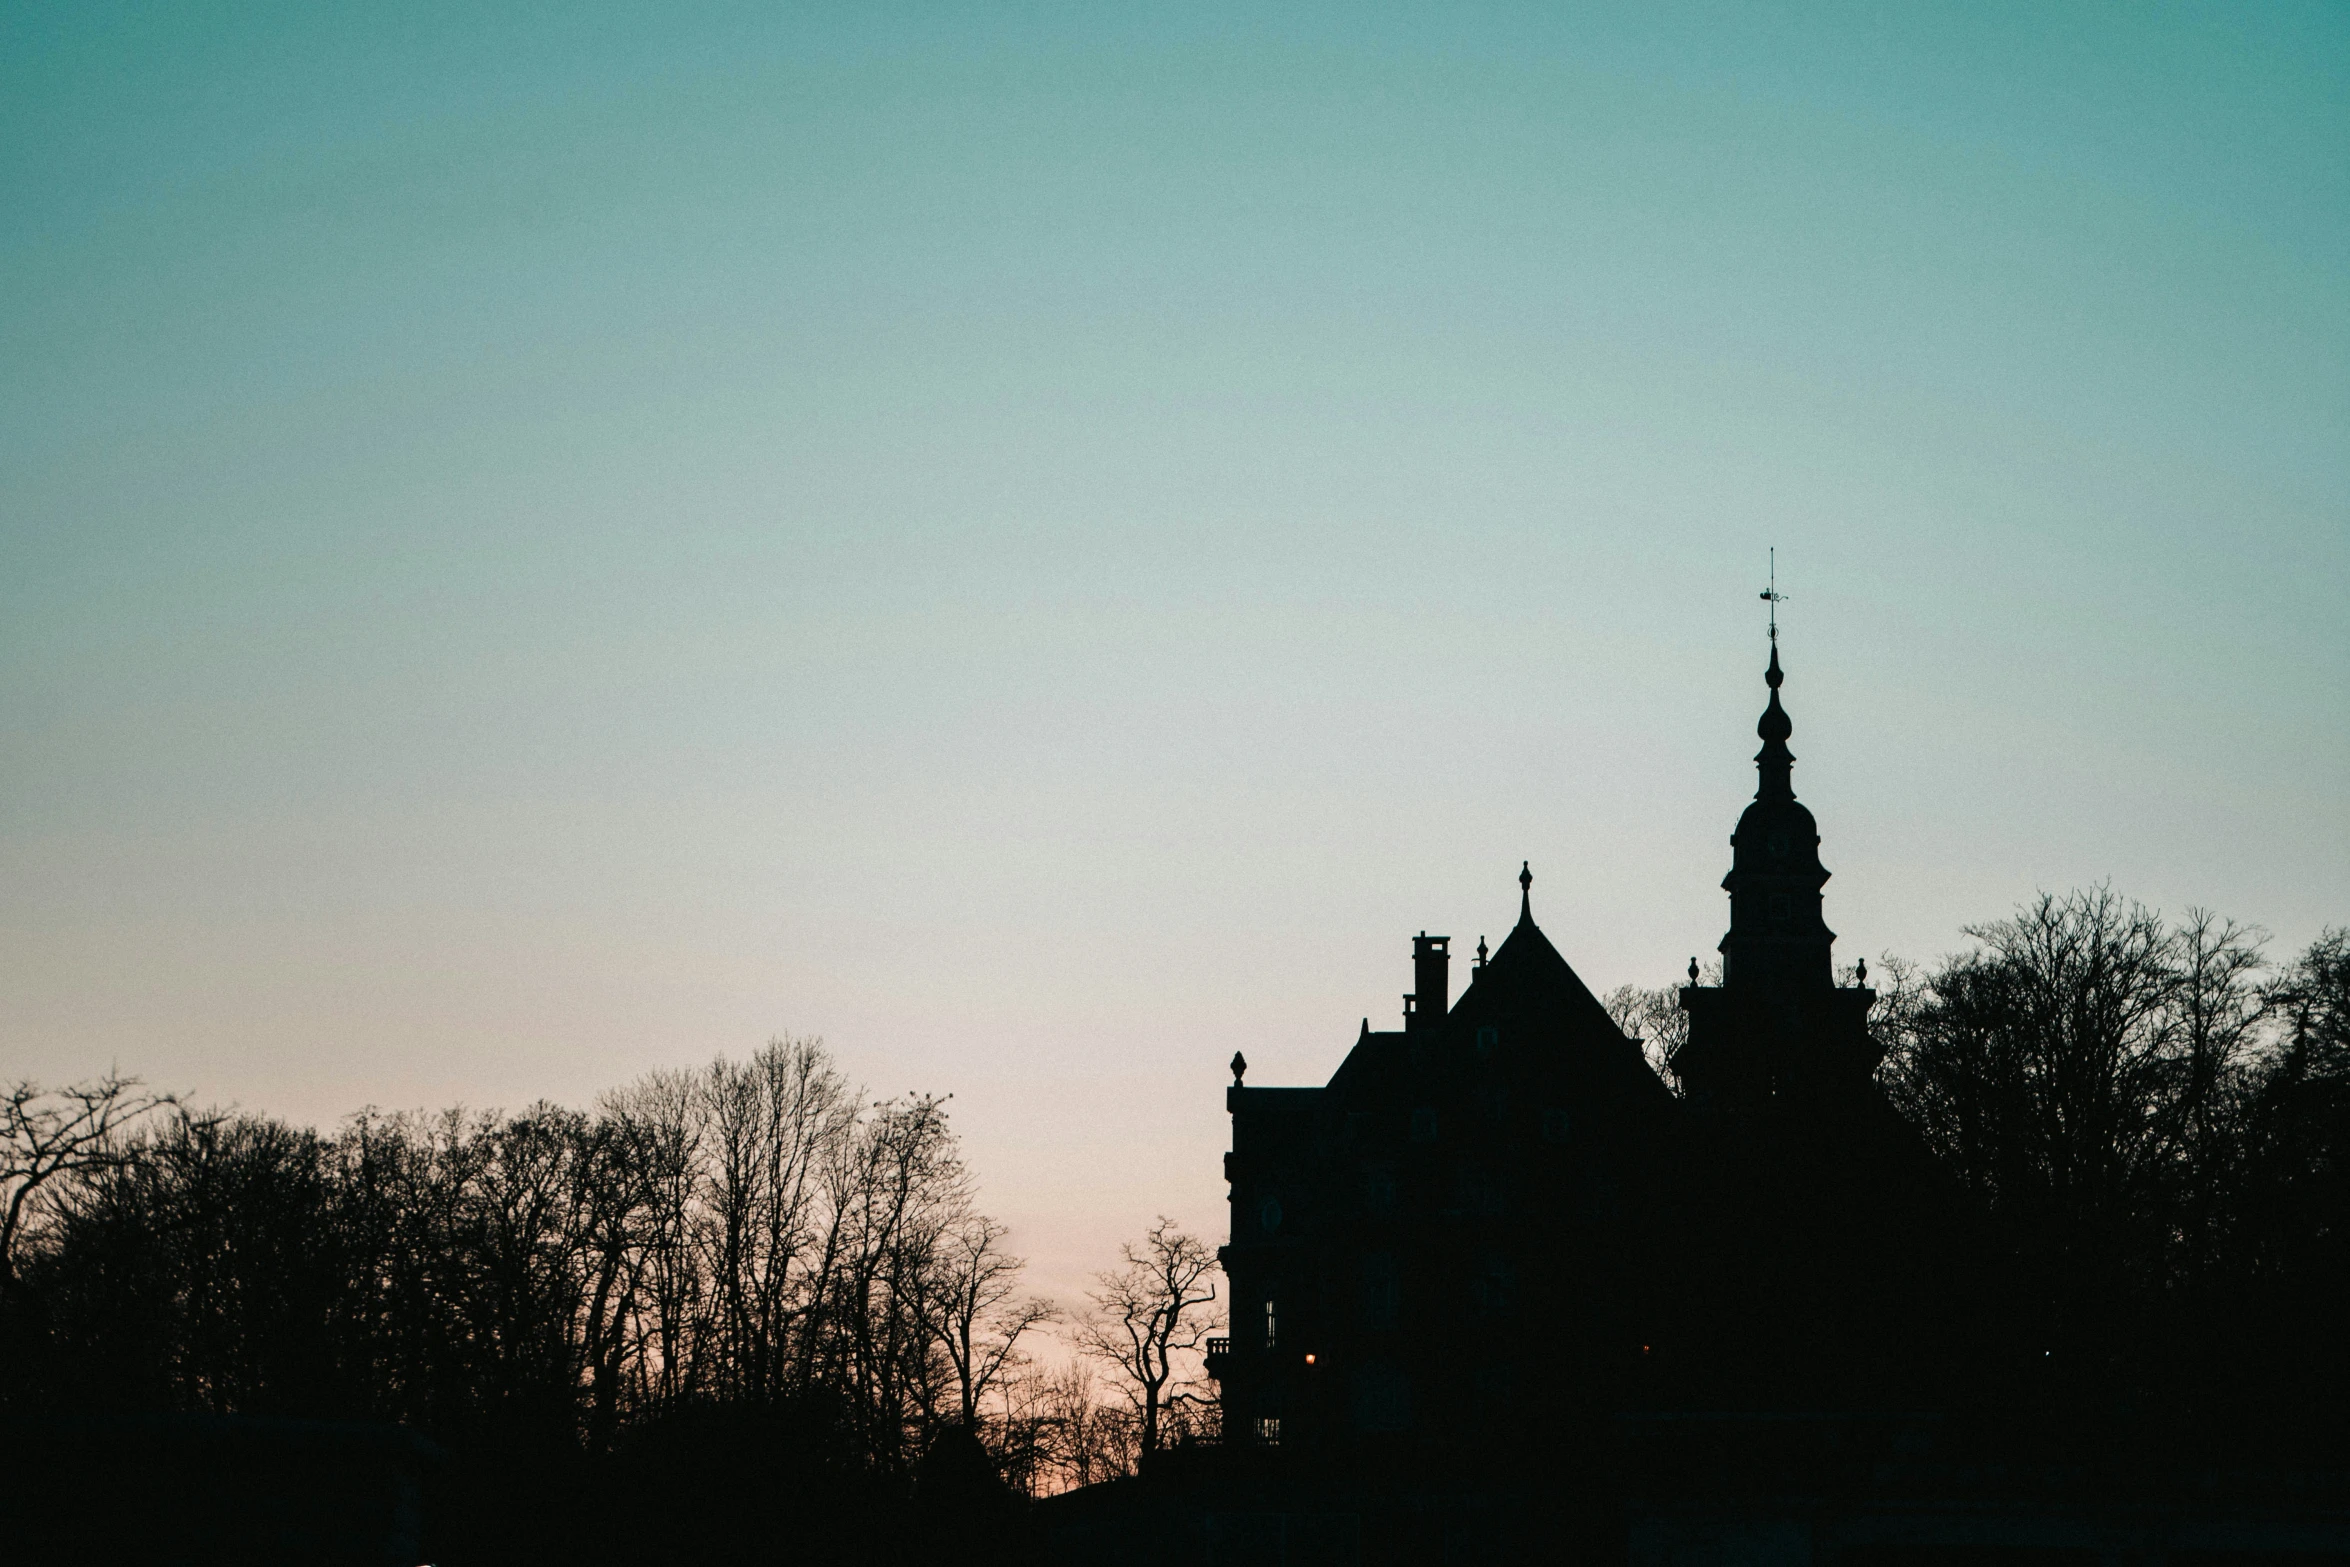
<point x="1778" y="1025"/>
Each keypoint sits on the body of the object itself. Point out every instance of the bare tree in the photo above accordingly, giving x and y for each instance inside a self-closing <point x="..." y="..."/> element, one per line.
<point x="658" y="1120"/>
<point x="773" y="1120"/>
<point x="48" y="1133"/>
<point x="1145" y="1315"/>
<point x="893" y="1190"/>
<point x="2310" y="1001"/>
<point x="2218" y="1008"/>
<point x="1654" y="1018"/>
<point x="976" y="1310"/>
<point x="1059" y="1434"/>
<point x="2295" y="1132"/>
<point x="2044" y="1065"/>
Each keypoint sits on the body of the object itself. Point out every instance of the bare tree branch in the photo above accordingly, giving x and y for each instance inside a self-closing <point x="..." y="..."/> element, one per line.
<point x="48" y="1133"/>
<point x="1145" y="1315"/>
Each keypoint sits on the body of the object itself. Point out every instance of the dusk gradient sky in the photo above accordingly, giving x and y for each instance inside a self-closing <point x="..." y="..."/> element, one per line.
<point x="1043" y="543"/>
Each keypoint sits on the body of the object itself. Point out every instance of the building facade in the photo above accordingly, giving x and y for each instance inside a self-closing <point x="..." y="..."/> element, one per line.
<point x="1474" y="1226"/>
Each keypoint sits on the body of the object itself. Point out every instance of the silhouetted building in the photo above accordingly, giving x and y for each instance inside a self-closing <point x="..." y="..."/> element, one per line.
<point x="1436" y="1247"/>
<point x="1498" y="1294"/>
<point x="1499" y="1216"/>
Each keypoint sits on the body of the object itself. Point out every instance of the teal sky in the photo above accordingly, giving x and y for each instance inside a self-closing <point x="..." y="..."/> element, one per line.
<point x="1043" y="543"/>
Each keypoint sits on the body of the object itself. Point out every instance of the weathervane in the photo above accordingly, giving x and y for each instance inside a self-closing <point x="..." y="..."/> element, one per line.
<point x="1772" y="596"/>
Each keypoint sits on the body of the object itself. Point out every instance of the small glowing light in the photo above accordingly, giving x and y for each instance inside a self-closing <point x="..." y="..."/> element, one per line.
<point x="1309" y="1360"/>
<point x="1644" y="1349"/>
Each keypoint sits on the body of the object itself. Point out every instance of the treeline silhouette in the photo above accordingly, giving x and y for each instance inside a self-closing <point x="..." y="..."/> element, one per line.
<point x="2155" y="1128"/>
<point x="739" y="1308"/>
<point x="2150" y="1126"/>
<point x="748" y="1312"/>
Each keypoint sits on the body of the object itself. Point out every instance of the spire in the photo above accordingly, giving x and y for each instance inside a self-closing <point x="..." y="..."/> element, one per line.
<point x="1775" y="1022"/>
<point x="1526" y="892"/>
<point x="1776" y="934"/>
<point x="1774" y="761"/>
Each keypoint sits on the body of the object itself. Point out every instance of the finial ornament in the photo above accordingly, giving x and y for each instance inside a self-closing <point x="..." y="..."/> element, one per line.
<point x="1774" y="760"/>
<point x="1860" y="971"/>
<point x="1692" y="971"/>
<point x="1525" y="892"/>
<point x="1773" y="597"/>
<point x="1480" y="951"/>
<point x="1239" y="1068"/>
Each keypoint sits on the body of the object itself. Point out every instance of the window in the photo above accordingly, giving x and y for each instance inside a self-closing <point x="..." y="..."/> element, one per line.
<point x="1382" y="1399"/>
<point x="1269" y="1430"/>
<point x="1379" y="1291"/>
<point x="1487" y="1038"/>
<point x="1494" y="1387"/>
<point x="1479" y="1191"/>
<point x="1269" y="1215"/>
<point x="1272" y="1323"/>
<point x="1596" y="1196"/>
<point x="1493" y="1286"/>
<point x="1423" y="1125"/>
<point x="1555" y="1126"/>
<point x="1379" y="1187"/>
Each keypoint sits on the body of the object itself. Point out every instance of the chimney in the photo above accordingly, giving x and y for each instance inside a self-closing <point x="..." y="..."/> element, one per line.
<point x="1432" y="996"/>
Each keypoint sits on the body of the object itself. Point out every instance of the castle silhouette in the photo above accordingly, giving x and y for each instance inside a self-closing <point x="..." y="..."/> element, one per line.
<point x="1499" y="1212"/>
<point x="1498" y="1294"/>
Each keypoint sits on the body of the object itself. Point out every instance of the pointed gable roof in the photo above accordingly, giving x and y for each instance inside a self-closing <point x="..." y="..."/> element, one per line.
<point x="1525" y="982"/>
<point x="1529" y="970"/>
<point x="1529" y="978"/>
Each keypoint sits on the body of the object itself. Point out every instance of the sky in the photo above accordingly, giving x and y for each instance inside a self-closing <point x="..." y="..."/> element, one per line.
<point x="1041" y="544"/>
